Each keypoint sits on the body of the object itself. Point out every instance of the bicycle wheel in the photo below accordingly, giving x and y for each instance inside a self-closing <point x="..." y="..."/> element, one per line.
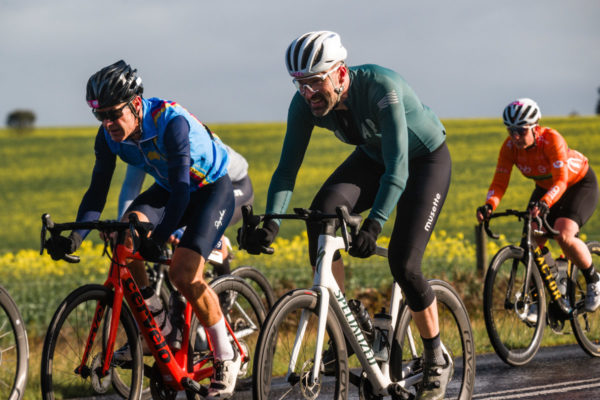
<point x="456" y="335"/>
<point x="515" y="339"/>
<point x="274" y="352"/>
<point x="586" y="326"/>
<point x="66" y="341"/>
<point x="258" y="282"/>
<point x="245" y="313"/>
<point x="14" y="349"/>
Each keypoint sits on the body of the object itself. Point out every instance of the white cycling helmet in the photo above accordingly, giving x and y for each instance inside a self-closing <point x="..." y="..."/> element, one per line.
<point x="314" y="52"/>
<point x="521" y="112"/>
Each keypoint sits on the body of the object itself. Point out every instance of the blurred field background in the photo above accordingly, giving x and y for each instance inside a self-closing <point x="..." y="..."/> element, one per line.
<point x="48" y="170"/>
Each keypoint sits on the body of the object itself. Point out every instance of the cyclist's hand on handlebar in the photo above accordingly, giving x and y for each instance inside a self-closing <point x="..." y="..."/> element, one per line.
<point x="258" y="239"/>
<point x="539" y="208"/>
<point x="150" y="249"/>
<point x="364" y="243"/>
<point x="59" y="246"/>
<point x="483" y="213"/>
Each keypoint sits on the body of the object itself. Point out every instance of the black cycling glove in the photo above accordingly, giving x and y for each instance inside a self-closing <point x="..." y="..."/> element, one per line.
<point x="150" y="249"/>
<point x="485" y="210"/>
<point x="59" y="246"/>
<point x="542" y="207"/>
<point x="365" y="242"/>
<point x="257" y="239"/>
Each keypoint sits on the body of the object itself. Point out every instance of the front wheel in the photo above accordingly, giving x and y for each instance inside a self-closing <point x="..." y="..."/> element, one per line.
<point x="514" y="322"/>
<point x="62" y="374"/>
<point x="14" y="350"/>
<point x="455" y="333"/>
<point x="283" y="366"/>
<point x="586" y="326"/>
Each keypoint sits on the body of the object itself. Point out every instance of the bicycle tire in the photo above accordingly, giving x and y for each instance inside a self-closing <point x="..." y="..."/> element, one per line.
<point x="14" y="349"/>
<point x="515" y="340"/>
<point x="245" y="315"/>
<point x="456" y="335"/>
<point x="259" y="283"/>
<point x="66" y="339"/>
<point x="275" y="345"/>
<point x="586" y="326"/>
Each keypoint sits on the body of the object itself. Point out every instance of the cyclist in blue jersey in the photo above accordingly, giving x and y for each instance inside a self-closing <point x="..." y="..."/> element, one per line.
<point x="243" y="193"/>
<point x="191" y="189"/>
<point x="400" y="162"/>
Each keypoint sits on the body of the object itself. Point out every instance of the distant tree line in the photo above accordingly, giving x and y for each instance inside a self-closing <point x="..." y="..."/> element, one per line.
<point x="21" y="120"/>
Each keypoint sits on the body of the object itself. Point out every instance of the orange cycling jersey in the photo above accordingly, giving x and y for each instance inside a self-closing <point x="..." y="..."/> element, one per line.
<point x="549" y="162"/>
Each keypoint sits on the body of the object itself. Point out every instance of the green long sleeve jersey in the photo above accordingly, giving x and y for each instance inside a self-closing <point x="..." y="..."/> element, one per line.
<point x="387" y="121"/>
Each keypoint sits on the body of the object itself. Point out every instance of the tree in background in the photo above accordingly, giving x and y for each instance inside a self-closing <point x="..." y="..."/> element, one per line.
<point x="598" y="105"/>
<point x="21" y="120"/>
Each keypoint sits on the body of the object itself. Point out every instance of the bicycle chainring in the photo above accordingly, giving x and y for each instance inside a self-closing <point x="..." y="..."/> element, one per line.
<point x="158" y="389"/>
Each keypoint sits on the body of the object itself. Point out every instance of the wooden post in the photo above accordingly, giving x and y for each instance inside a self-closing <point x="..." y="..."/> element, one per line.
<point x="481" y="248"/>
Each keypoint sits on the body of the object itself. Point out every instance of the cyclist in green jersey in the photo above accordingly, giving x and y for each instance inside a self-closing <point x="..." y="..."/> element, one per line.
<point x="401" y="162"/>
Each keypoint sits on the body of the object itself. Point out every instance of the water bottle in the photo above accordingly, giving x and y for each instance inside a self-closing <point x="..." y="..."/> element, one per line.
<point x="382" y="326"/>
<point x="362" y="318"/>
<point x="562" y="265"/>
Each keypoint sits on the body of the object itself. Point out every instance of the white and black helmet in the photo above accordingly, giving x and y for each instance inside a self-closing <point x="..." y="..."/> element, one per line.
<point x="314" y="52"/>
<point x="521" y="112"/>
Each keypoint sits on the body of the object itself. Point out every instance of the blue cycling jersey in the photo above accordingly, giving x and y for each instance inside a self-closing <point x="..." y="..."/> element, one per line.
<point x="209" y="157"/>
<point x="175" y="148"/>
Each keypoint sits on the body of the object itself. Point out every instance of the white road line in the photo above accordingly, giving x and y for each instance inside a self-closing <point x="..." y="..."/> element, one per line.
<point x="539" y="390"/>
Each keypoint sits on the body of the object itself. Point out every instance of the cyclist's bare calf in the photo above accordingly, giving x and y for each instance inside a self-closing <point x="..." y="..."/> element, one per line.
<point x="187" y="274"/>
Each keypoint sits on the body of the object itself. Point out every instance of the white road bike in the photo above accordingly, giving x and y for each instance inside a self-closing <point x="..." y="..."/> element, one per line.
<point x="290" y="361"/>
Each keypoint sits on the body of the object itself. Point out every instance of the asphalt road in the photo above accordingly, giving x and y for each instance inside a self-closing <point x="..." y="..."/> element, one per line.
<point x="556" y="373"/>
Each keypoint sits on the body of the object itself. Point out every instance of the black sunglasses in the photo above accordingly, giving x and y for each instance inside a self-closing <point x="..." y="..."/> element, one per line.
<point x="518" y="130"/>
<point x="111" y="115"/>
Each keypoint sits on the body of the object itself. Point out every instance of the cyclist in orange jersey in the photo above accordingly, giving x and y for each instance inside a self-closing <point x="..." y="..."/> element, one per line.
<point x="565" y="185"/>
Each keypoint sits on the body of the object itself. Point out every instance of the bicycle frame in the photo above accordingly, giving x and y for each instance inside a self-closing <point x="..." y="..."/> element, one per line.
<point x="530" y="257"/>
<point x="173" y="366"/>
<point x="326" y="287"/>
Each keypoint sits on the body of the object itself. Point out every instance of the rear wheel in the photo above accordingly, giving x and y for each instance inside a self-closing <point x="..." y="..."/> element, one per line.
<point x="455" y="333"/>
<point x="514" y="329"/>
<point x="14" y="350"/>
<point x="586" y="326"/>
<point x="63" y="376"/>
<point x="246" y="314"/>
<point x="258" y="282"/>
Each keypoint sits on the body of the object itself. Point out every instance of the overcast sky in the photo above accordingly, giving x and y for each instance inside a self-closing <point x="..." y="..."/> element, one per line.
<point x="224" y="60"/>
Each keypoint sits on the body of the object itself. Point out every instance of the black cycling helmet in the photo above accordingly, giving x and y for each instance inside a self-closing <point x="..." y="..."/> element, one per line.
<point x="113" y="85"/>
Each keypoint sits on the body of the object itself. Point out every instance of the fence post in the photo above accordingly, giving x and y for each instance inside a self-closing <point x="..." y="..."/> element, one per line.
<point x="481" y="248"/>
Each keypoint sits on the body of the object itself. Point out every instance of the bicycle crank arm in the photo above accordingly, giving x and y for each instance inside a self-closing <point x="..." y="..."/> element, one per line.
<point x="192" y="385"/>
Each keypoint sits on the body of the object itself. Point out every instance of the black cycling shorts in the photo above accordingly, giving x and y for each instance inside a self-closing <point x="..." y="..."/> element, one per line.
<point x="207" y="215"/>
<point x="577" y="203"/>
<point x="355" y="184"/>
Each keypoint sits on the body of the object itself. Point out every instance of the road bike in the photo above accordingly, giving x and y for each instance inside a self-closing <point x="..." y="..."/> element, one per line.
<point x="523" y="292"/>
<point x="92" y="322"/>
<point x="14" y="349"/>
<point x="289" y="359"/>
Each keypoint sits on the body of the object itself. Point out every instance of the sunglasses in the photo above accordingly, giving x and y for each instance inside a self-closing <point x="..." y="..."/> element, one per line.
<point x="518" y="130"/>
<point x="110" y="115"/>
<point x="314" y="82"/>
